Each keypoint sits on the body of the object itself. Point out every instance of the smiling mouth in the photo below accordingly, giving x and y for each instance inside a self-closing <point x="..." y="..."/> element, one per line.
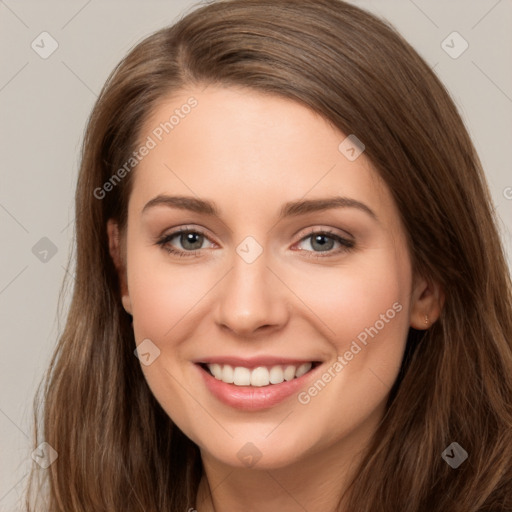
<point x="260" y="376"/>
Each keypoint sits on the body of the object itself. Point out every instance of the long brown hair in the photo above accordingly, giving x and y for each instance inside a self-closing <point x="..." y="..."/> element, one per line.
<point x="117" y="448"/>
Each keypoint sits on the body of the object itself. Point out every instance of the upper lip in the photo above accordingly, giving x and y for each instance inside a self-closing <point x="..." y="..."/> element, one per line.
<point x="254" y="362"/>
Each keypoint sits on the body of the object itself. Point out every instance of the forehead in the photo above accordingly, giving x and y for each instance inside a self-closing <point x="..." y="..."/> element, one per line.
<point x="251" y="150"/>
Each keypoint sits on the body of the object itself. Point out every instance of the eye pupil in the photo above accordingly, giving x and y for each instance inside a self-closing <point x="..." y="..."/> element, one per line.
<point x="323" y="240"/>
<point x="191" y="238"/>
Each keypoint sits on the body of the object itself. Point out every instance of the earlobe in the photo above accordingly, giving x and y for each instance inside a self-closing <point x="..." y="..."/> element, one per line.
<point x="427" y="302"/>
<point x="115" y="250"/>
<point x="127" y="304"/>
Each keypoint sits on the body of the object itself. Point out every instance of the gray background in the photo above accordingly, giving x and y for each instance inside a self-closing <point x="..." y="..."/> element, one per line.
<point x="44" y="105"/>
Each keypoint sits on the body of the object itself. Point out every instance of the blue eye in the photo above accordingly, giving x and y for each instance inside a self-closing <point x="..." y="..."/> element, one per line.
<point x="320" y="242"/>
<point x="186" y="238"/>
<point x="324" y="242"/>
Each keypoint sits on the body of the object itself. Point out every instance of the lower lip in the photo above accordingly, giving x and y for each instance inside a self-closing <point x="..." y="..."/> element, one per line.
<point x="252" y="398"/>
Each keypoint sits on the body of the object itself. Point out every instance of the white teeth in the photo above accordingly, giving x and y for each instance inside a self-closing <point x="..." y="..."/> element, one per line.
<point x="276" y="375"/>
<point x="216" y="369"/>
<point x="289" y="372"/>
<point x="302" y="369"/>
<point x="242" y="376"/>
<point x="258" y="377"/>
<point x="227" y="374"/>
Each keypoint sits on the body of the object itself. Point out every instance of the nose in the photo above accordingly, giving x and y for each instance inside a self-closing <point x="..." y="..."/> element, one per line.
<point x="251" y="299"/>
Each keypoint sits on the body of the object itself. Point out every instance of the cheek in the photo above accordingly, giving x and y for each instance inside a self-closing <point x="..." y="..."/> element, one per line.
<point x="168" y="303"/>
<point x="164" y="295"/>
<point x="362" y="310"/>
<point x="350" y="298"/>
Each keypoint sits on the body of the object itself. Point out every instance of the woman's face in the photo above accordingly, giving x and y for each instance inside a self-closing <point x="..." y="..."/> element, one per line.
<point x="293" y="259"/>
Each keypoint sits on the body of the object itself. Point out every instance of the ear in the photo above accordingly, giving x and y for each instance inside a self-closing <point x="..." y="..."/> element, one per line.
<point x="427" y="301"/>
<point x="116" y="251"/>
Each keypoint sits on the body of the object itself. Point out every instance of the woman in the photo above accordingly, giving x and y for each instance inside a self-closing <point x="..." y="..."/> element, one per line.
<point x="338" y="334"/>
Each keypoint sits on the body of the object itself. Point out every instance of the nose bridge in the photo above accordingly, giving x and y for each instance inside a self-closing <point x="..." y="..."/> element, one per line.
<point x="251" y="296"/>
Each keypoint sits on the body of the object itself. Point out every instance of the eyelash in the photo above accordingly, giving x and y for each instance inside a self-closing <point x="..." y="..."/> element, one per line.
<point x="346" y="245"/>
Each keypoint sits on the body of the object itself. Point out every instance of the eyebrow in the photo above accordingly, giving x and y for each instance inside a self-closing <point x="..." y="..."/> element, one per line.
<point x="290" y="209"/>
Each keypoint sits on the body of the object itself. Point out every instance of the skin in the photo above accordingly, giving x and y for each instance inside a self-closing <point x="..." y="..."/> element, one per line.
<point x="250" y="153"/>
